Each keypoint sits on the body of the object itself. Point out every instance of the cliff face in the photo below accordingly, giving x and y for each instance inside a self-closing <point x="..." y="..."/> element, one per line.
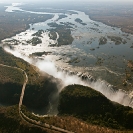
<point x="36" y="96"/>
<point x="91" y="106"/>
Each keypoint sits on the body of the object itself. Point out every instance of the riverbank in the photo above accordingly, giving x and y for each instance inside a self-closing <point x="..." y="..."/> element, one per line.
<point x="113" y="14"/>
<point x="17" y="22"/>
<point x="114" y="23"/>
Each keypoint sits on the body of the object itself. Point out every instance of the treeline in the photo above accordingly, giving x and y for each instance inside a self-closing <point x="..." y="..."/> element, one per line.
<point x="11" y="60"/>
<point x="93" y="107"/>
<point x="13" y="75"/>
<point x="64" y="31"/>
<point x="16" y="22"/>
<point x="68" y="123"/>
<point x="11" y="122"/>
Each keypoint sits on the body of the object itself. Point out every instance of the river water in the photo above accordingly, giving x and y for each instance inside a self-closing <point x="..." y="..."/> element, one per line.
<point x="105" y="62"/>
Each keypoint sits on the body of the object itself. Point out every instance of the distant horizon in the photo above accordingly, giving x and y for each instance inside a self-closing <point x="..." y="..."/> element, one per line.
<point x="106" y="1"/>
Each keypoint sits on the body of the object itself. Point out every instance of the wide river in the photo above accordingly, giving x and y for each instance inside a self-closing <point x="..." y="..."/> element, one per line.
<point x="105" y="62"/>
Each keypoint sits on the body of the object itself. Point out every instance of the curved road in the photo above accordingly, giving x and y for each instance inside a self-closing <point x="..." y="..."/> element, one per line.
<point x="24" y="84"/>
<point x="27" y="119"/>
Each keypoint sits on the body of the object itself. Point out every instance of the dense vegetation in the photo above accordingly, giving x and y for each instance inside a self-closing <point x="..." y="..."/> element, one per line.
<point x="62" y="16"/>
<point x="117" y="40"/>
<point x="16" y="22"/>
<point x="34" y="41"/>
<point x="11" y="122"/>
<point x="78" y="20"/>
<point x="38" y="33"/>
<point x="11" y="60"/>
<point x="105" y="14"/>
<point x="10" y="93"/>
<point x="69" y="123"/>
<point x="102" y="40"/>
<point x="52" y="35"/>
<point x="91" y="106"/>
<point x="8" y="74"/>
<point x="40" y="53"/>
<point x="38" y="89"/>
<point x="64" y="32"/>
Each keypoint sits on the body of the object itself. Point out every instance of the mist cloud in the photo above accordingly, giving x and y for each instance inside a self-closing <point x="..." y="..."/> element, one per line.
<point x="49" y="67"/>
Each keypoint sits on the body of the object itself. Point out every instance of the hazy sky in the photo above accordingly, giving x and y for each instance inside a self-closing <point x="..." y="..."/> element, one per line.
<point x="9" y="1"/>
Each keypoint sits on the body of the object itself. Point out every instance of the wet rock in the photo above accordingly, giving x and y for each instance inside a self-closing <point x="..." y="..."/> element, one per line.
<point x="92" y="49"/>
<point x="102" y="41"/>
<point x="79" y="74"/>
<point x="84" y="77"/>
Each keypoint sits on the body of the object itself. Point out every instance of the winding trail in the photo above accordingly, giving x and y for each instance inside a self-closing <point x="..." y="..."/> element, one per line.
<point x="24" y="84"/>
<point x="26" y="118"/>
